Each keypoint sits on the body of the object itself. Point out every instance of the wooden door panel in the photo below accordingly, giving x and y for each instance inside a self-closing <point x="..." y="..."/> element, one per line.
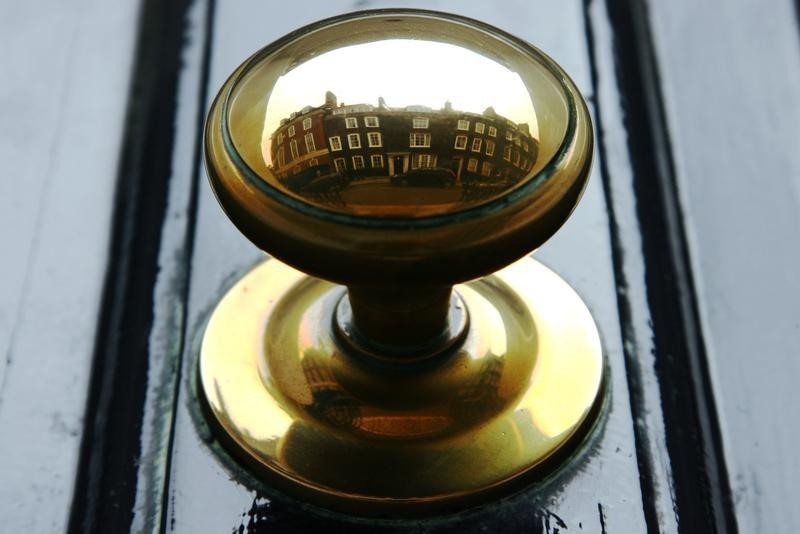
<point x="682" y="247"/>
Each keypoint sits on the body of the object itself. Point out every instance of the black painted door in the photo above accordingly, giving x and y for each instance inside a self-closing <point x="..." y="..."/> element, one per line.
<point x="684" y="247"/>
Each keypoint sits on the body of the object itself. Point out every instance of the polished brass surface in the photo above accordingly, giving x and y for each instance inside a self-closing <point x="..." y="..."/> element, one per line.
<point x="315" y="421"/>
<point x="399" y="153"/>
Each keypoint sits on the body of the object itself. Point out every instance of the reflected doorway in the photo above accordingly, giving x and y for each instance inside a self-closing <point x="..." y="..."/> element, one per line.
<point x="398" y="164"/>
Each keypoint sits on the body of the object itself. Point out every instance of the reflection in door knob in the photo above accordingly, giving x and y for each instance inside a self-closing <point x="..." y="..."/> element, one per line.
<point x="399" y="153"/>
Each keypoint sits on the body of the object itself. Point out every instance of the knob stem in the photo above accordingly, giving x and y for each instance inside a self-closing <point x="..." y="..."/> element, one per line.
<point x="411" y="321"/>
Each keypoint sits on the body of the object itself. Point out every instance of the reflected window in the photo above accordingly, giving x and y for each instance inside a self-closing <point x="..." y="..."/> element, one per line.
<point x="509" y="135"/>
<point x="516" y="159"/>
<point x="461" y="142"/>
<point x="280" y="138"/>
<point x="358" y="162"/>
<point x="525" y="147"/>
<point x="374" y="139"/>
<point x="313" y="162"/>
<point x="376" y="160"/>
<point x="422" y="161"/>
<point x="489" y="147"/>
<point x="486" y="168"/>
<point x="420" y="122"/>
<point x="420" y="139"/>
<point x="340" y="165"/>
<point x="371" y="122"/>
<point x="476" y="144"/>
<point x="463" y="124"/>
<point x="492" y="131"/>
<point x="293" y="148"/>
<point x="310" y="146"/>
<point x="351" y="122"/>
<point x="354" y="140"/>
<point x="307" y="123"/>
<point x="281" y="157"/>
<point x="479" y="127"/>
<point x="336" y="142"/>
<point x="472" y="165"/>
<point x="507" y="153"/>
<point x="291" y="130"/>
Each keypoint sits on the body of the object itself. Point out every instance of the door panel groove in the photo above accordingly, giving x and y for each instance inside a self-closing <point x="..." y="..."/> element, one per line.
<point x="624" y="306"/>
<point x="192" y="210"/>
<point x="700" y="481"/>
<point x="104" y="489"/>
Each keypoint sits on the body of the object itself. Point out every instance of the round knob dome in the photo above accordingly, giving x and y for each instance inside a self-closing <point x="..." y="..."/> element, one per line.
<point x="398" y="147"/>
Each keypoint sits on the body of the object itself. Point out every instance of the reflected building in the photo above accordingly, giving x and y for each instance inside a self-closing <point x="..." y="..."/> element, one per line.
<point x="480" y="397"/>
<point x="322" y="152"/>
<point x="330" y="403"/>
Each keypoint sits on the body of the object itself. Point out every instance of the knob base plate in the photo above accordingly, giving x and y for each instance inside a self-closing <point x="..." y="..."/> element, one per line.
<point x="509" y="404"/>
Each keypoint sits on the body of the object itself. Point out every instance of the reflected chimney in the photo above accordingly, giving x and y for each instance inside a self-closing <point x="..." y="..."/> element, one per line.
<point x="330" y="99"/>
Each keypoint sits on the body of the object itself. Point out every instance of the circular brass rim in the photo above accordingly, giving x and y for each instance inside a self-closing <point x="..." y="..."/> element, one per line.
<point x="315" y="423"/>
<point x="556" y="162"/>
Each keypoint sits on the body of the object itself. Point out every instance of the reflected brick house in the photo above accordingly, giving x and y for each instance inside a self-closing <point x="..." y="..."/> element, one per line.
<point x="362" y="142"/>
<point x="300" y="142"/>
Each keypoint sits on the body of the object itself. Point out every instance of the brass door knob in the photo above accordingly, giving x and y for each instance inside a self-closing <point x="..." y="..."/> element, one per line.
<point x="399" y="153"/>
